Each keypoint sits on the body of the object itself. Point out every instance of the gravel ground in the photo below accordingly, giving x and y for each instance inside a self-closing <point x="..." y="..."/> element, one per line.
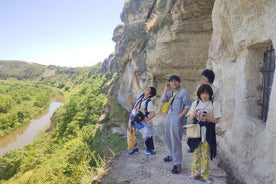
<point x="151" y="169"/>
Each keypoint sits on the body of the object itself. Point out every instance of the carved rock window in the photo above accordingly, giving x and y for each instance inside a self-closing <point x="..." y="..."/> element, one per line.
<point x="267" y="80"/>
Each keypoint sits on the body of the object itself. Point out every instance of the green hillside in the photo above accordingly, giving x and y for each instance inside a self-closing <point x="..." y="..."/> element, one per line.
<point x="20" y="70"/>
<point x="76" y="145"/>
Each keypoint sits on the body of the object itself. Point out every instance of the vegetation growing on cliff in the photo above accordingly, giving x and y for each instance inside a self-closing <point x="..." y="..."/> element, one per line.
<point x="75" y="145"/>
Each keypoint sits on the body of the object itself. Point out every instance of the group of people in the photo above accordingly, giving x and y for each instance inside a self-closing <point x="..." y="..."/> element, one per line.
<point x="205" y="108"/>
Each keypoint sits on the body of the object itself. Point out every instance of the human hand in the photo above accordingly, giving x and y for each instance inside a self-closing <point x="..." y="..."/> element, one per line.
<point x="167" y="86"/>
<point x="135" y="70"/>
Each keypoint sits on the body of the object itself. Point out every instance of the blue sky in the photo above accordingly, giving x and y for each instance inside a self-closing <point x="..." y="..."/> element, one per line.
<point x="60" y="32"/>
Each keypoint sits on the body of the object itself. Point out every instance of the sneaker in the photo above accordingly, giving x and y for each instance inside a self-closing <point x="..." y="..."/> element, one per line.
<point x="167" y="158"/>
<point x="136" y="150"/>
<point x="150" y="152"/>
<point x="176" y="169"/>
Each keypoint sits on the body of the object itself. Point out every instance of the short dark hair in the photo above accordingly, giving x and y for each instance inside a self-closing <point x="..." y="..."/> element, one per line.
<point x="174" y="77"/>
<point x="205" y="88"/>
<point x="209" y="74"/>
<point x="152" y="91"/>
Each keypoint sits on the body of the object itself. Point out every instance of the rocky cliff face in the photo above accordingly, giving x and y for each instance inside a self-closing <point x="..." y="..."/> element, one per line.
<point x="183" y="37"/>
<point x="162" y="38"/>
<point x="243" y="31"/>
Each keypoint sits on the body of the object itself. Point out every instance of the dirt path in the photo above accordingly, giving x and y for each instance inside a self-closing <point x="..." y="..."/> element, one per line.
<point x="151" y="169"/>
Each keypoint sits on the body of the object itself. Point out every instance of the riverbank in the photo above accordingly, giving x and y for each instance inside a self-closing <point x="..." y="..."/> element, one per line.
<point x="24" y="135"/>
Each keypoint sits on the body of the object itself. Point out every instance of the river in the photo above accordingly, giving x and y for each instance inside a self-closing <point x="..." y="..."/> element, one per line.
<point x="26" y="133"/>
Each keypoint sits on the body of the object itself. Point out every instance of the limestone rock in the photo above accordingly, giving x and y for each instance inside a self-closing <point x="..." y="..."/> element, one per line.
<point x="184" y="37"/>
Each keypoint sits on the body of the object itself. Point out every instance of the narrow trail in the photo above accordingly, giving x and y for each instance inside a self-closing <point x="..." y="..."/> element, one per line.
<point x="151" y="169"/>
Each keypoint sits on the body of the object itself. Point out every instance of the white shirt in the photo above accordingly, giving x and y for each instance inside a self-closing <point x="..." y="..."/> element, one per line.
<point x="212" y="108"/>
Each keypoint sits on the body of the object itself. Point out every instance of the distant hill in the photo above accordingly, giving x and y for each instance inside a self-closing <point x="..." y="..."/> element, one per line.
<point x="20" y="69"/>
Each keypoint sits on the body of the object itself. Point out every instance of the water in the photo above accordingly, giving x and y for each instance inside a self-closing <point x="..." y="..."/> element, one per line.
<point x="26" y="133"/>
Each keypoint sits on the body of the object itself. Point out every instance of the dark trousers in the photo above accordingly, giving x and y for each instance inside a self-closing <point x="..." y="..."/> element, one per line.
<point x="149" y="143"/>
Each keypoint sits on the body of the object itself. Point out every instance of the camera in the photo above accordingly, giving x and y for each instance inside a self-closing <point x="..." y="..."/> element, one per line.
<point x="204" y="113"/>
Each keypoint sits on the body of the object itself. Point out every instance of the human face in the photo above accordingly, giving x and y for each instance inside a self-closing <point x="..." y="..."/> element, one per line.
<point x="174" y="84"/>
<point x="204" y="97"/>
<point x="147" y="92"/>
<point x="205" y="79"/>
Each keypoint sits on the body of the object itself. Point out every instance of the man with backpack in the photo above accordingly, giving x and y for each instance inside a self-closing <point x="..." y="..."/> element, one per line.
<point x="142" y="113"/>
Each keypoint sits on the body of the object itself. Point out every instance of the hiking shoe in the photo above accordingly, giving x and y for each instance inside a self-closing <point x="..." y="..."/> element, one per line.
<point x="176" y="169"/>
<point x="150" y="152"/>
<point x="136" y="150"/>
<point x="168" y="158"/>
